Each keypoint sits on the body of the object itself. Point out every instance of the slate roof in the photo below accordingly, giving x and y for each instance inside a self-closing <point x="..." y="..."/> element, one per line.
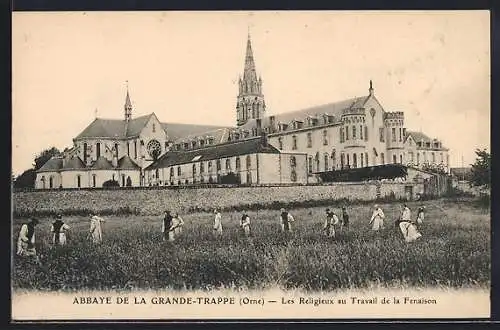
<point x="52" y="165"/>
<point x="177" y="131"/>
<point x="418" y="136"/>
<point x="332" y="109"/>
<point x="230" y="149"/>
<point x="102" y="164"/>
<point x="126" y="163"/>
<point x="74" y="163"/>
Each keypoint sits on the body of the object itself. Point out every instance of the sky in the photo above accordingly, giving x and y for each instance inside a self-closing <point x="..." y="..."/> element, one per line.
<point x="184" y="67"/>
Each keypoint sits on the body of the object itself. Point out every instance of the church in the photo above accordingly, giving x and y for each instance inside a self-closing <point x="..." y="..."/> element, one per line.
<point x="286" y="148"/>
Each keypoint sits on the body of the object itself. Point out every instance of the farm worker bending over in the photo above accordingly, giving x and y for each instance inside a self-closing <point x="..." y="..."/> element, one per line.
<point x="217" y="223"/>
<point x="377" y="219"/>
<point x="180" y="224"/>
<point x="408" y="229"/>
<point x="245" y="224"/>
<point x="166" y="224"/>
<point x="26" y="240"/>
<point x="420" y="215"/>
<point x="95" y="228"/>
<point x="174" y="226"/>
<point x="286" y="220"/>
<point x="330" y="222"/>
<point x="58" y="230"/>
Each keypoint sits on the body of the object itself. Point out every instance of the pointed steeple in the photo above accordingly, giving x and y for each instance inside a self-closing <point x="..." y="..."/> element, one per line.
<point x="128" y="106"/>
<point x="249" y="72"/>
<point x="370" y="90"/>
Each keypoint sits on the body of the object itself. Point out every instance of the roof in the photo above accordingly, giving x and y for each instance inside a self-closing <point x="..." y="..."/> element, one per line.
<point x="102" y="164"/>
<point x="74" y="163"/>
<point x="177" y="131"/>
<point x="332" y="109"/>
<point x="389" y="171"/>
<point x="52" y="165"/>
<point x="418" y="136"/>
<point x="237" y="148"/>
<point x="460" y="171"/>
<point x="126" y="163"/>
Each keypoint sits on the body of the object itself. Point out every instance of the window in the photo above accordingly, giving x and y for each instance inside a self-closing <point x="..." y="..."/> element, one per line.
<point x="228" y="164"/>
<point x="154" y="128"/>
<point x="418" y="158"/>
<point x="400" y="134"/>
<point x="116" y="151"/>
<point x="249" y="162"/>
<point x="98" y="150"/>
<point x="325" y="137"/>
<point x="401" y="159"/>
<point x="341" y="133"/>
<point x="382" y="138"/>
<point x="178" y="171"/>
<point x="43" y="182"/>
<point x="294" y="142"/>
<point x="293" y="171"/>
<point x="309" y="140"/>
<point x="93" y="180"/>
<point x="123" y="180"/>
<point x="354" y="160"/>
<point x="78" y="181"/>
<point x="193" y="144"/>
<point x="85" y="153"/>
<point x="51" y="182"/>
<point x="425" y="157"/>
<point x="310" y="164"/>
<point x="361" y="159"/>
<point x="433" y="158"/>
<point x="348" y="161"/>
<point x="361" y="132"/>
<point x="441" y="156"/>
<point x="210" y="168"/>
<point x="218" y="165"/>
<point x="280" y="143"/>
<point x="447" y="160"/>
<point x="366" y="133"/>
<point x="342" y="161"/>
<point x="394" y="159"/>
<point x="186" y="145"/>
<point x="171" y="171"/>
<point x="135" y="149"/>
<point x="326" y="161"/>
<point x="353" y="132"/>
<point x="194" y="169"/>
<point x="347" y="133"/>
<point x="238" y="164"/>
<point x="382" y="158"/>
<point x="393" y="134"/>
<point x="404" y="132"/>
<point x="128" y="149"/>
<point x="334" y="159"/>
<point x="366" y="158"/>
<point x="410" y="154"/>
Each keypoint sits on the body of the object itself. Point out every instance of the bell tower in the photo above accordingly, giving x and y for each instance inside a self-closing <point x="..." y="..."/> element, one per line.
<point x="128" y="106"/>
<point x="250" y="102"/>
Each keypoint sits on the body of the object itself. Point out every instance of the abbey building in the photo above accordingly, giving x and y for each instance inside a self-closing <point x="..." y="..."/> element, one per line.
<point x="262" y="148"/>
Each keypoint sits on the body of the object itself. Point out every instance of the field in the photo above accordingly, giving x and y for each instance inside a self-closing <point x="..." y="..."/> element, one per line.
<point x="453" y="252"/>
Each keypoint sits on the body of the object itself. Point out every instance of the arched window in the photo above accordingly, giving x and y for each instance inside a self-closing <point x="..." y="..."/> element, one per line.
<point x="293" y="169"/>
<point x="51" y="182"/>
<point x="238" y="164"/>
<point x="325" y="137"/>
<point x="280" y="143"/>
<point x="310" y="164"/>
<point x="361" y="132"/>
<point x="249" y="177"/>
<point x="361" y="160"/>
<point x="78" y="181"/>
<point x="326" y="161"/>
<point x="123" y="180"/>
<point x="194" y="169"/>
<point x="218" y="165"/>
<point x="418" y="158"/>
<point x="93" y="180"/>
<point x="342" y="161"/>
<point x="171" y="171"/>
<point x="135" y="149"/>
<point x="178" y="171"/>
<point x="348" y="161"/>
<point x="394" y="159"/>
<point x="401" y="159"/>
<point x="354" y="160"/>
<point x="309" y="140"/>
<point x="85" y="153"/>
<point x="366" y="158"/>
<point x="116" y="151"/>
<point x="382" y="158"/>
<point x="294" y="142"/>
<point x="248" y="162"/>
<point x="228" y="164"/>
<point x="43" y="181"/>
<point x="353" y="132"/>
<point x="202" y="167"/>
<point x="98" y="150"/>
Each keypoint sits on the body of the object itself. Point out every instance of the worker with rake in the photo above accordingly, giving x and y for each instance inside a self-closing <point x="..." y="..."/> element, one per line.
<point x="407" y="227"/>
<point x="95" y="228"/>
<point x="286" y="220"/>
<point x="26" y="240"/>
<point x="377" y="219"/>
<point x="245" y="224"/>
<point x="175" y="227"/>
<point x="58" y="230"/>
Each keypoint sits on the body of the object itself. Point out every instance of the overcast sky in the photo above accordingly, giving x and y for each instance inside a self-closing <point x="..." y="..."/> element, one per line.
<point x="434" y="66"/>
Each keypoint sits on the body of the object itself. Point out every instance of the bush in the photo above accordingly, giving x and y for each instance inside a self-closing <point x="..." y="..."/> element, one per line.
<point x="111" y="184"/>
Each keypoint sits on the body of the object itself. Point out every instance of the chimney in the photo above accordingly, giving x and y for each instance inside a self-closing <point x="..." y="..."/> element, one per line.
<point x="272" y="123"/>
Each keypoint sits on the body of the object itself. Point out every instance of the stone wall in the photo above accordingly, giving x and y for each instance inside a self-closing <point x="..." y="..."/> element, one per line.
<point x="154" y="201"/>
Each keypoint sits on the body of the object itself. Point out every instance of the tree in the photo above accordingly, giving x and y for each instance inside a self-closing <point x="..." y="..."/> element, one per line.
<point x="481" y="169"/>
<point x="44" y="156"/>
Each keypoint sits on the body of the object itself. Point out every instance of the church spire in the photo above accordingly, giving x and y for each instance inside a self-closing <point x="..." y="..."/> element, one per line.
<point x="250" y="103"/>
<point x="128" y="106"/>
<point x="370" y="90"/>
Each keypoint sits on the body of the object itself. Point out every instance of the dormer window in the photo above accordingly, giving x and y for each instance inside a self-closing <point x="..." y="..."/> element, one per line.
<point x="193" y="144"/>
<point x="186" y="145"/>
<point x="211" y="140"/>
<point x="202" y="143"/>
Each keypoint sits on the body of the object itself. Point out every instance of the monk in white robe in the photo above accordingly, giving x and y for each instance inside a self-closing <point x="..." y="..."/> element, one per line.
<point x="95" y="229"/>
<point x="377" y="219"/>
<point x="173" y="230"/>
<point x="408" y="229"/>
<point x="420" y="215"/>
<point x="58" y="230"/>
<point x="217" y="227"/>
<point x="179" y="226"/>
<point x="330" y="222"/>
<point x="245" y="224"/>
<point x="26" y="239"/>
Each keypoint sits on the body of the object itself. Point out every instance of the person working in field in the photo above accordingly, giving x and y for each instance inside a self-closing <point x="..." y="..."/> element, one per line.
<point x="408" y="229"/>
<point x="330" y="222"/>
<point x="345" y="220"/>
<point x="420" y="215"/>
<point x="245" y="224"/>
<point x="95" y="228"/>
<point x="26" y="240"/>
<point x="58" y="230"/>
<point x="377" y="219"/>
<point x="175" y="224"/>
<point x="217" y="227"/>
<point x="166" y="225"/>
<point x="286" y="220"/>
<point x="180" y="224"/>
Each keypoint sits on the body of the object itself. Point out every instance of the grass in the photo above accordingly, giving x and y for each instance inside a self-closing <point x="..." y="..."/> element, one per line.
<point x="453" y="252"/>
